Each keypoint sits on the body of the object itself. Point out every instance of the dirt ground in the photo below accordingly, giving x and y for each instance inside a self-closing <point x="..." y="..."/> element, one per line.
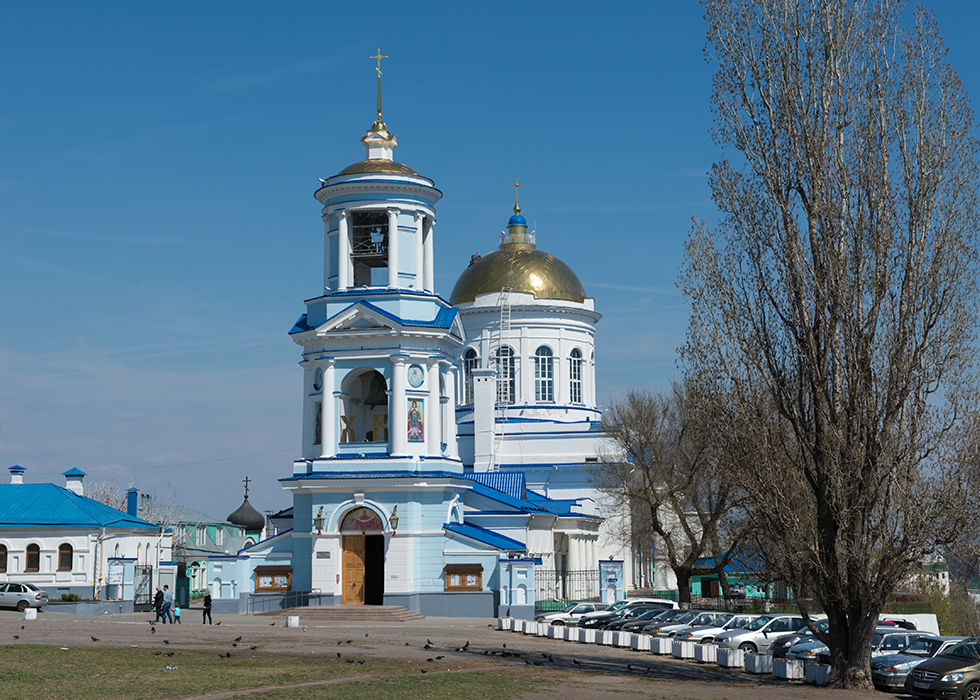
<point x="575" y="671"/>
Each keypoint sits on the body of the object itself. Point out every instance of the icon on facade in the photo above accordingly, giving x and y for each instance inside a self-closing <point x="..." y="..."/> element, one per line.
<point x="415" y="418"/>
<point x="415" y="376"/>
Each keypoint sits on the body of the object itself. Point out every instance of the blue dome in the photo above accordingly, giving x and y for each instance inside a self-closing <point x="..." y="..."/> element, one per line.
<point x="517" y="220"/>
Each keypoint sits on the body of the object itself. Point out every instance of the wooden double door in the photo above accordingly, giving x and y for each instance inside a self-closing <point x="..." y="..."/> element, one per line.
<point x="364" y="569"/>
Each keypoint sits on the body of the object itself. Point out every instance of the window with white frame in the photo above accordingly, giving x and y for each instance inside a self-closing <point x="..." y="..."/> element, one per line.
<point x="505" y="374"/>
<point x="575" y="376"/>
<point x="544" y="375"/>
<point x="470" y="362"/>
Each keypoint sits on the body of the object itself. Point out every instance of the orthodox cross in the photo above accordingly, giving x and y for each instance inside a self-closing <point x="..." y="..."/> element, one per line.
<point x="378" y="59"/>
<point x="246" y="486"/>
<point x="517" y="204"/>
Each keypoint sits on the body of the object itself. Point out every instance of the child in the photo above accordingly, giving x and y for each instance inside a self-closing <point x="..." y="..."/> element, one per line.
<point x="176" y="612"/>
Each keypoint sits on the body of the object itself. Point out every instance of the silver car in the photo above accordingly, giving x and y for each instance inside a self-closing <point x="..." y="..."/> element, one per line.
<point x="705" y="635"/>
<point x="22" y="596"/>
<point x="570" y="614"/>
<point x="756" y="636"/>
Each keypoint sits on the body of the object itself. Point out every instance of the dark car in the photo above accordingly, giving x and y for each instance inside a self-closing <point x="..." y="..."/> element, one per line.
<point x="954" y="674"/>
<point x="890" y="671"/>
<point x="599" y="621"/>
<point x="638" y="623"/>
<point x="781" y="645"/>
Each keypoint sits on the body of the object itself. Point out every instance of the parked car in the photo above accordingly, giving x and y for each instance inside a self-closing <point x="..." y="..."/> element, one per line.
<point x="638" y="623"/>
<point x="613" y="610"/>
<point x="705" y="635"/>
<point x="886" y="640"/>
<point x="700" y="619"/>
<point x="888" y="672"/>
<point x="22" y="596"/>
<point x="953" y="674"/>
<point x="570" y="614"/>
<point x="756" y="636"/>
<point x="781" y="645"/>
<point x="638" y="615"/>
<point x="601" y="620"/>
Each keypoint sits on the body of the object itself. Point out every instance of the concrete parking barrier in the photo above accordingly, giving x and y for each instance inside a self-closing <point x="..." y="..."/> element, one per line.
<point x="706" y="653"/>
<point x="661" y="645"/>
<point x="790" y="669"/>
<point x="503" y="623"/>
<point x="817" y="674"/>
<point x="758" y="663"/>
<point x="640" y="642"/>
<point x="682" y="650"/>
<point x="730" y="658"/>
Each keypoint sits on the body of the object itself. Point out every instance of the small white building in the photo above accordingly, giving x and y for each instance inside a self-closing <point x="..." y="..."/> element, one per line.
<point x="65" y="543"/>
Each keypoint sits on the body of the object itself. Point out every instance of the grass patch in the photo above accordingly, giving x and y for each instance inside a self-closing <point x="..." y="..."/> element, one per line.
<point x="34" y="672"/>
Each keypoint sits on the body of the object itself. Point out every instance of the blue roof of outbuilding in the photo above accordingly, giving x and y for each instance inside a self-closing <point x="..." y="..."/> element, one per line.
<point x="47" y="505"/>
<point x="511" y="483"/>
<point x="557" y="506"/>
<point x="484" y="536"/>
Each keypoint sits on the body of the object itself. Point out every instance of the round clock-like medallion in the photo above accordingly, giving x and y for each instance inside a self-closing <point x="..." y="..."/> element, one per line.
<point x="415" y="376"/>
<point x="318" y="379"/>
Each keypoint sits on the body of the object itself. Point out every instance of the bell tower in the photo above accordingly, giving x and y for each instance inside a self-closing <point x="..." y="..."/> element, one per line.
<point x="379" y="344"/>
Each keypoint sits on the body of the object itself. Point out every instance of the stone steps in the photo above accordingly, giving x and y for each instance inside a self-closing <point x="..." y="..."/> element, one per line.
<point x="349" y="613"/>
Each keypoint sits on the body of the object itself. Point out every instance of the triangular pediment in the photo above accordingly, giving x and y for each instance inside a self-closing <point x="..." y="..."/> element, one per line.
<point x="358" y="317"/>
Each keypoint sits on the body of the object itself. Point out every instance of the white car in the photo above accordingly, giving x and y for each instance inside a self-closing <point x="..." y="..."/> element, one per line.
<point x="570" y="614"/>
<point x="756" y="636"/>
<point x="630" y="603"/>
<point x="705" y="635"/>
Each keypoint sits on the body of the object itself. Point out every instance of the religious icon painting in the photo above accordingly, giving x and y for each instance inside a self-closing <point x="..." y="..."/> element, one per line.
<point x="415" y="420"/>
<point x="318" y="429"/>
<point x="415" y="376"/>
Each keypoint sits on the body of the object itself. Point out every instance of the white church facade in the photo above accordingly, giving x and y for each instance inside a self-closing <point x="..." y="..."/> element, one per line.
<point x="446" y="444"/>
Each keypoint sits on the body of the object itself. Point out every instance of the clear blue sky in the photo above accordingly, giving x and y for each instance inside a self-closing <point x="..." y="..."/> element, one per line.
<point x="158" y="231"/>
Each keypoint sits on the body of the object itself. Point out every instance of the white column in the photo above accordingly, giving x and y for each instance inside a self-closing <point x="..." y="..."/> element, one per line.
<point x="326" y="252"/>
<point x="428" y="283"/>
<point x="433" y="421"/>
<point x="573" y="553"/>
<point x="397" y="412"/>
<point x="393" y="248"/>
<point x="449" y="416"/>
<point x="343" y="252"/>
<point x="419" y="255"/>
<point x="328" y="419"/>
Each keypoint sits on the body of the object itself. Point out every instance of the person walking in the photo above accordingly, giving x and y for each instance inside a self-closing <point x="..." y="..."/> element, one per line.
<point x="168" y="600"/>
<point x="158" y="604"/>
<point x="176" y="613"/>
<point x="207" y="607"/>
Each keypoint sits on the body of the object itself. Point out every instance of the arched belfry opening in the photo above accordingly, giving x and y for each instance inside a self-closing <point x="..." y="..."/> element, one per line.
<point x="363" y="576"/>
<point x="364" y="408"/>
<point x="369" y="248"/>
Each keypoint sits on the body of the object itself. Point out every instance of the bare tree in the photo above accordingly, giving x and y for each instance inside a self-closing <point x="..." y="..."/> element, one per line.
<point x="107" y="492"/>
<point x="837" y="298"/>
<point x="665" y="471"/>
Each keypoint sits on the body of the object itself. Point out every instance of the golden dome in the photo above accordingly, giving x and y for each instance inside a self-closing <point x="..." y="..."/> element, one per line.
<point x="378" y="165"/>
<point x="523" y="269"/>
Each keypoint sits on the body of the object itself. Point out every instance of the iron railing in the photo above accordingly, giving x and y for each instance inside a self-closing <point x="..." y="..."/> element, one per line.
<point x="269" y="602"/>
<point x="554" y="589"/>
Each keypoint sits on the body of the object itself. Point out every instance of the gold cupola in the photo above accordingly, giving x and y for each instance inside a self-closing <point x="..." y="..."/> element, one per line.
<point x="519" y="267"/>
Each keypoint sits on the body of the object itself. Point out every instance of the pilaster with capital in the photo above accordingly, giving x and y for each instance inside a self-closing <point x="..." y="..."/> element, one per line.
<point x="433" y="431"/>
<point x="393" y="248"/>
<point x="328" y="406"/>
<point x="419" y="255"/>
<point x="397" y="432"/>
<point x="427" y="254"/>
<point x="449" y="411"/>
<point x="343" y="252"/>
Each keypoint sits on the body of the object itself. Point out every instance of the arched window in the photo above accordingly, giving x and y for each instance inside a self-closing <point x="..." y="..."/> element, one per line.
<point x="65" y="556"/>
<point x="3" y="558"/>
<point x="575" y="376"/>
<point x="470" y="362"/>
<point x="33" y="558"/>
<point x="544" y="375"/>
<point x="505" y="374"/>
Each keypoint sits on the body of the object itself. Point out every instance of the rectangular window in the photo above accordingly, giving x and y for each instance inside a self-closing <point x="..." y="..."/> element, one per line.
<point x="544" y="378"/>
<point x="470" y="362"/>
<point x="505" y="375"/>
<point x="464" y="577"/>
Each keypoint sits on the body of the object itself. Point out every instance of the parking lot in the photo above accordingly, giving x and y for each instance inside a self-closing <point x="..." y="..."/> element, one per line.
<point x="573" y="670"/>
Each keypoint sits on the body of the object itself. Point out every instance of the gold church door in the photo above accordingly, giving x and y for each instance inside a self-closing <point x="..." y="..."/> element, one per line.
<point x="354" y="547"/>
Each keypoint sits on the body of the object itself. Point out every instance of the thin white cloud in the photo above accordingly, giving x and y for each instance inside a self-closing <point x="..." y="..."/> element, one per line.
<point x="630" y="288"/>
<point x="247" y="80"/>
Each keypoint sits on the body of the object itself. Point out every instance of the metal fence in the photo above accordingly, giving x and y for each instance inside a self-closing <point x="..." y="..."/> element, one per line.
<point x="554" y="589"/>
<point x="269" y="602"/>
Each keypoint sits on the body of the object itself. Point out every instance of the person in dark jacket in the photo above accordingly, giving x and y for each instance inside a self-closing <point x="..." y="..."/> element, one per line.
<point x="158" y="604"/>
<point x="207" y="607"/>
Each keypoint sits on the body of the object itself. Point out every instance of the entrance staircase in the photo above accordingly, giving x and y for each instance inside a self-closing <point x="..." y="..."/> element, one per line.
<point x="349" y="613"/>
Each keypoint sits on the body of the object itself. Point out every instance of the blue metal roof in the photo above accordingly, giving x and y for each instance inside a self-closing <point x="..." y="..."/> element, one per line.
<point x="443" y="319"/>
<point x="557" y="506"/>
<point x="484" y="536"/>
<point x="47" y="505"/>
<point x="511" y="483"/>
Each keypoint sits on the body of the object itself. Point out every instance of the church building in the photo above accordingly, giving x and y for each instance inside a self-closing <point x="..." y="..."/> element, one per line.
<point x="446" y="445"/>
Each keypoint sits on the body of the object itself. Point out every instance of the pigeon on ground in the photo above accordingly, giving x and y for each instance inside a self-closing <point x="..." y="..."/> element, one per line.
<point x="361" y="661"/>
<point x="95" y="639"/>
<point x="272" y="625"/>
<point x="440" y="657"/>
<point x="166" y="641"/>
<point x="221" y="656"/>
<point x="153" y="630"/>
<point x="339" y="643"/>
<point x="16" y="636"/>
<point x="429" y="641"/>
<point x="234" y="644"/>
<point x="526" y="662"/>
<point x="238" y="638"/>
<point x="170" y="653"/>
<point x="575" y="661"/>
<point x="467" y="645"/>
<point x="22" y="626"/>
<point x="424" y="670"/>
<point x="218" y="623"/>
<point x="157" y="653"/>
<point x="349" y="641"/>
<point x="253" y="648"/>
<point x="430" y="660"/>
<point x="426" y="647"/>
<point x="407" y="644"/>
<point x="338" y="654"/>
